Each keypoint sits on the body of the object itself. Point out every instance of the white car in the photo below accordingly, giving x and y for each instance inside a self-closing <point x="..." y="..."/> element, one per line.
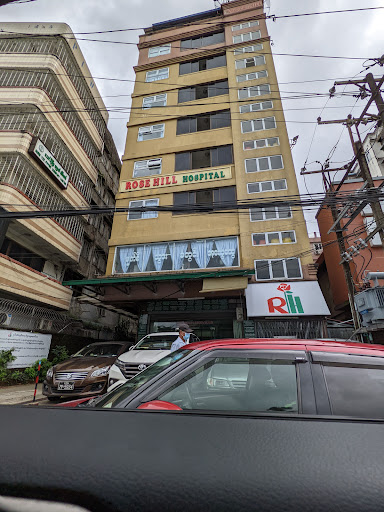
<point x="147" y="351"/>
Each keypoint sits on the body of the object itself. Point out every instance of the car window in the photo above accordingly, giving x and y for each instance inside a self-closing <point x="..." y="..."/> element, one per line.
<point x="98" y="350"/>
<point x="355" y="390"/>
<point x="163" y="342"/>
<point x="237" y="384"/>
<point x="116" y="397"/>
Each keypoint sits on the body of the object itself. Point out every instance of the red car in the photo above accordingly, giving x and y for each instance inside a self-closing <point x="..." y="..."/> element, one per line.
<point x="266" y="376"/>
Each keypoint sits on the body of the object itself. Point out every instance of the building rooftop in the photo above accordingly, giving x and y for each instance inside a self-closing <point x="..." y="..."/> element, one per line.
<point x="181" y="21"/>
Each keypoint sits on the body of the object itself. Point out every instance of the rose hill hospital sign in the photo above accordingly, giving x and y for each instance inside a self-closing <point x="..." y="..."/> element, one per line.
<point x="181" y="178"/>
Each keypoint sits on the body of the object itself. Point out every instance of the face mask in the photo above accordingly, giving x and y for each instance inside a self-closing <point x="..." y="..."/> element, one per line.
<point x="187" y="335"/>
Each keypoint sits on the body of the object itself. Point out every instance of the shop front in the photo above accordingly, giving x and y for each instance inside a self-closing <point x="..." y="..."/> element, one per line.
<point x="285" y="310"/>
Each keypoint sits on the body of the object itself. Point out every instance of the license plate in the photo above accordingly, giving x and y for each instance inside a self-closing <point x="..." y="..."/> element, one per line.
<point x="66" y="386"/>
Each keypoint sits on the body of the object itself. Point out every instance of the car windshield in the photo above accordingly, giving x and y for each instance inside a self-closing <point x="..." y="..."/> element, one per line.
<point x="115" y="397"/>
<point x="162" y="342"/>
<point x="98" y="350"/>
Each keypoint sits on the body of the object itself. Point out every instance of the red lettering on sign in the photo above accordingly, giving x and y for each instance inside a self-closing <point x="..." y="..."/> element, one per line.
<point x="174" y="180"/>
<point x="135" y="184"/>
<point x="162" y="181"/>
<point x="141" y="183"/>
<point x="167" y="181"/>
<point x="272" y="307"/>
<point x="156" y="182"/>
<point x="147" y="183"/>
<point x="128" y="185"/>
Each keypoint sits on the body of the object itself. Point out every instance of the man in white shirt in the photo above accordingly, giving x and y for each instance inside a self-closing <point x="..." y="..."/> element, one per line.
<point x="183" y="339"/>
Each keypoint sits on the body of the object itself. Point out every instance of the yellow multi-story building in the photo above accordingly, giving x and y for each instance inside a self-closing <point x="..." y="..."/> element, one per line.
<point x="207" y="148"/>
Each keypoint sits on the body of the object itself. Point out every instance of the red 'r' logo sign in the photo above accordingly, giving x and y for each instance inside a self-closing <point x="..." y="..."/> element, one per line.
<point x="284" y="287"/>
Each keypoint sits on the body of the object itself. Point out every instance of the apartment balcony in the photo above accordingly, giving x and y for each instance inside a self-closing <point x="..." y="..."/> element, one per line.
<point x="21" y="282"/>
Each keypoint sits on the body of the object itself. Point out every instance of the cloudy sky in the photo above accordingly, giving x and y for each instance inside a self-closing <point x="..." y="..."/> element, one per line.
<point x="356" y="34"/>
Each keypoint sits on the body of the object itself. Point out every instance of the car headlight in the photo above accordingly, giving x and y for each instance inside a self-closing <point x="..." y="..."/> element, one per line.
<point x="101" y="372"/>
<point x="120" y="364"/>
<point x="50" y="373"/>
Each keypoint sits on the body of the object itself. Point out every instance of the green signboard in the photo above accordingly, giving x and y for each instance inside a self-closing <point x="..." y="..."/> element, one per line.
<point x="49" y="162"/>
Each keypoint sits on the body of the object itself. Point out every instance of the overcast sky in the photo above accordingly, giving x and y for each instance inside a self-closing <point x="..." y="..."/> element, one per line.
<point x="358" y="34"/>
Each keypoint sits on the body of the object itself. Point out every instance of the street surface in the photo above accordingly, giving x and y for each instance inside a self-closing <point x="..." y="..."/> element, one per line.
<point x="23" y="394"/>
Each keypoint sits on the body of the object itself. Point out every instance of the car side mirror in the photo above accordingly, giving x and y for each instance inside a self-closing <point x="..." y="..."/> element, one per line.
<point x="159" y="405"/>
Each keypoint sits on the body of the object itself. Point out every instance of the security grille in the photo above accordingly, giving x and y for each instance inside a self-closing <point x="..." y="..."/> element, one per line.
<point x="17" y="171"/>
<point x="46" y="80"/>
<point x="59" y="48"/>
<point x="301" y="329"/>
<point x="29" y="118"/>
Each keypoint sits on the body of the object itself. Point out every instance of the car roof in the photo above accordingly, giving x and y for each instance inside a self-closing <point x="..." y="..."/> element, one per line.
<point x="281" y="344"/>
<point x="176" y="333"/>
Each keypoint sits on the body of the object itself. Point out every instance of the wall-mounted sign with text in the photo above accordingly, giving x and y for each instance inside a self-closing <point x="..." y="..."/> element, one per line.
<point x="40" y="153"/>
<point x="181" y="178"/>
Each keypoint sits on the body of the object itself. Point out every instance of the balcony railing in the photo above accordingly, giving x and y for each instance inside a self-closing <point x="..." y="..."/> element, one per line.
<point x="34" y="121"/>
<point x="181" y="255"/>
<point x="59" y="48"/>
<point x="15" y="170"/>
<point x="47" y="81"/>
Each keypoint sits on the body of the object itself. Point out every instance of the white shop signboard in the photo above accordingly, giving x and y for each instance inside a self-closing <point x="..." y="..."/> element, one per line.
<point x="297" y="298"/>
<point x="29" y="347"/>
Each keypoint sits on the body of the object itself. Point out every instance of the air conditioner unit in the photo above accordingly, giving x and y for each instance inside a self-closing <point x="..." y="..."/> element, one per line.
<point x="45" y="325"/>
<point x="5" y="318"/>
<point x="154" y="163"/>
<point x="370" y="305"/>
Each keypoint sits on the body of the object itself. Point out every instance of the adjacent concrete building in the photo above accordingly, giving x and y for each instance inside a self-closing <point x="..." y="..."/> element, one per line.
<point x="55" y="153"/>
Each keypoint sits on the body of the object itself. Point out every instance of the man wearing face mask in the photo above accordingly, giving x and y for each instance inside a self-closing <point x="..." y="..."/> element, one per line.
<point x="183" y="339"/>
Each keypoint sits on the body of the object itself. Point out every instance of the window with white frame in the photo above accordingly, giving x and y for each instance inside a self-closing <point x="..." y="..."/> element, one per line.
<point x="270" y="213"/>
<point x="255" y="90"/>
<point x="247" y="36"/>
<point x="157" y="74"/>
<point x="289" y="268"/>
<point x="274" y="238"/>
<point x="248" y="49"/>
<point x="256" y="107"/>
<point x="266" y="186"/>
<point x="246" y="24"/>
<point x="261" y="143"/>
<point x="255" y="125"/>
<point x="249" y="62"/>
<point x="147" y="203"/>
<point x="264" y="163"/>
<point x="156" y="131"/>
<point x="155" y="51"/>
<point x="252" y="76"/>
<point x="159" y="100"/>
<point x="144" y="168"/>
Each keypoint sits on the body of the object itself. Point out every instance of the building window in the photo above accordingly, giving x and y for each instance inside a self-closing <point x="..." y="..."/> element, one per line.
<point x="202" y="64"/>
<point x="156" y="131"/>
<point x="198" y="92"/>
<point x="180" y="255"/>
<point x="261" y="143"/>
<point x="289" y="268"/>
<point x="252" y="76"/>
<point x="255" y="90"/>
<point x="255" y="107"/>
<point x="202" y="158"/>
<point x="22" y="255"/>
<point x="147" y="203"/>
<point x="203" y="199"/>
<point x="266" y="186"/>
<point x="205" y="40"/>
<point x="247" y="36"/>
<point x="144" y="168"/>
<point x="255" y="125"/>
<point x="246" y="24"/>
<point x="157" y="74"/>
<point x="159" y="100"/>
<point x="264" y="163"/>
<point x="274" y="238"/>
<point x="155" y="51"/>
<point x="209" y="121"/>
<point x="248" y="49"/>
<point x="270" y="213"/>
<point x="250" y="62"/>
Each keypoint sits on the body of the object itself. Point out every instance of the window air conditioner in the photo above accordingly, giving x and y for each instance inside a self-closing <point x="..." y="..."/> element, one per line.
<point x="5" y="318"/>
